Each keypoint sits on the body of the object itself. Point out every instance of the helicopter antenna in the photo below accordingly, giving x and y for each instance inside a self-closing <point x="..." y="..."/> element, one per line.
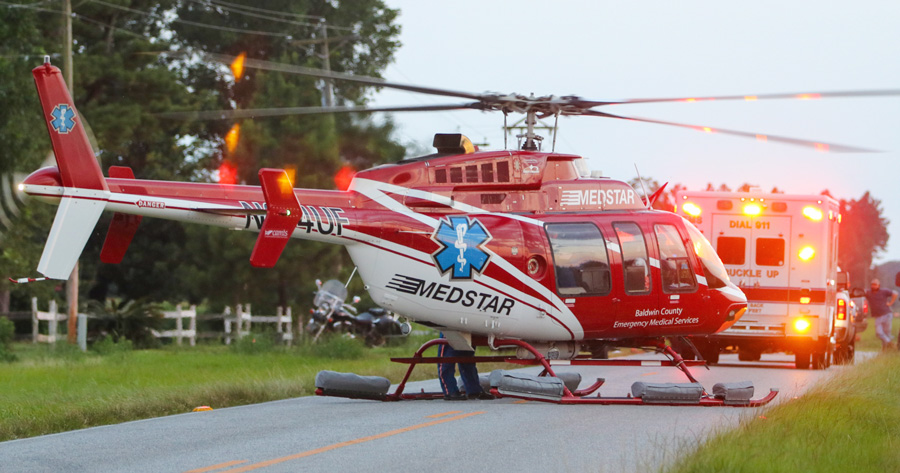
<point x="646" y="196"/>
<point x="555" y="131"/>
<point x="505" y="131"/>
<point x="351" y="276"/>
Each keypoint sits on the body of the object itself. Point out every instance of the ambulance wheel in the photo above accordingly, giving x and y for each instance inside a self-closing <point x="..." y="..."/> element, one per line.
<point x="801" y="360"/>
<point x="845" y="354"/>
<point x="709" y="352"/>
<point x="745" y="354"/>
<point x="819" y="360"/>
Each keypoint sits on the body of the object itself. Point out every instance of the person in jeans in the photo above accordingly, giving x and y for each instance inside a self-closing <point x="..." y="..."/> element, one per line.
<point x="880" y="302"/>
<point x="468" y="372"/>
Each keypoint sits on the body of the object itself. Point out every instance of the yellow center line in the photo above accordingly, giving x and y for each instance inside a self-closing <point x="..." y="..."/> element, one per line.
<point x="435" y="416"/>
<point x="523" y="401"/>
<point x="308" y="453"/>
<point x="216" y="467"/>
<point x="650" y="373"/>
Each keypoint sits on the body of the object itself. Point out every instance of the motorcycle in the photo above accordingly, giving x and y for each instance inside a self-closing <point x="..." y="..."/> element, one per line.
<point x="378" y="325"/>
<point x="332" y="314"/>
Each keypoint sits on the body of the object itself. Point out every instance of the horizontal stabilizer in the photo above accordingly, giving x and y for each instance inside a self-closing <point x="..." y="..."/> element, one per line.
<point x="282" y="214"/>
<point x="73" y="225"/>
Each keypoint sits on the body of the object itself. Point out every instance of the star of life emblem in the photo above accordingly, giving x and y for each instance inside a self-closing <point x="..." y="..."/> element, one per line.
<point x="461" y="251"/>
<point x="63" y="119"/>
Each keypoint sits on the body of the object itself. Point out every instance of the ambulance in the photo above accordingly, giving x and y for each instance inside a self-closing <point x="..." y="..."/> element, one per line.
<point x="781" y="250"/>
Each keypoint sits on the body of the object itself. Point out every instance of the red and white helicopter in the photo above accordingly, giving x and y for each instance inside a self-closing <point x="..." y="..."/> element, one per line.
<point x="513" y="248"/>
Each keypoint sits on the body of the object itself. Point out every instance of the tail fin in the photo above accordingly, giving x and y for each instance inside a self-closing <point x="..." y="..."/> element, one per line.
<point x="282" y="215"/>
<point x="85" y="192"/>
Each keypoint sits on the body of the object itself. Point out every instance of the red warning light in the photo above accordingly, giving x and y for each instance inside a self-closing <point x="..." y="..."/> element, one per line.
<point x="227" y="173"/>
<point x="343" y="177"/>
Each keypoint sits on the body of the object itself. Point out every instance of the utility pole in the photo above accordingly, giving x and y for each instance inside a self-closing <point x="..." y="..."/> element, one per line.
<point x="326" y="64"/>
<point x="72" y="283"/>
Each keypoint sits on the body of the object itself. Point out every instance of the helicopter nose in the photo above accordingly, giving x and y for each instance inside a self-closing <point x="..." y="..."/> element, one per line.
<point x="734" y="305"/>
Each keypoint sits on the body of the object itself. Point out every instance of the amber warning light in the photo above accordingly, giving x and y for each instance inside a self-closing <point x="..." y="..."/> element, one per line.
<point x="691" y="209"/>
<point x="812" y="213"/>
<point x="752" y="210"/>
<point x="807" y="253"/>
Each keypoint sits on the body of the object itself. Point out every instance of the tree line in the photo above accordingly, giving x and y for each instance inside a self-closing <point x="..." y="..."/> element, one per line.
<point x="122" y="87"/>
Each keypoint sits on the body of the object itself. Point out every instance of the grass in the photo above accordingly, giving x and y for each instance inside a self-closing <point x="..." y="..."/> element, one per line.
<point x="55" y="389"/>
<point x="851" y="422"/>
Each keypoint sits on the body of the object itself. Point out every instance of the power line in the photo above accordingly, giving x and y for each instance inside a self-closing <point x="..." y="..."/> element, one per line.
<point x="77" y="16"/>
<point x="254" y="15"/>
<point x="271" y="15"/>
<point x="192" y="23"/>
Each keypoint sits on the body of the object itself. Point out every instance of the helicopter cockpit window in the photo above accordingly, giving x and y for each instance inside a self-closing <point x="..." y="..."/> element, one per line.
<point x="674" y="265"/>
<point x="580" y="259"/>
<point x="713" y="270"/>
<point x="635" y="263"/>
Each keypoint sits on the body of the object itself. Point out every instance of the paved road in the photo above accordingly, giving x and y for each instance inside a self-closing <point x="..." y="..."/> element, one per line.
<point x="333" y="434"/>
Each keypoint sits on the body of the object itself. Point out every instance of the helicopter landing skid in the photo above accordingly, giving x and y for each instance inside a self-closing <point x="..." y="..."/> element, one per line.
<point x="693" y="393"/>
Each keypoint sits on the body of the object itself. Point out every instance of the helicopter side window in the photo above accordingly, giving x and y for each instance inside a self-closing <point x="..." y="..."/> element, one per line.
<point x="674" y="265"/>
<point x="580" y="260"/>
<point x="472" y="173"/>
<point x="487" y="172"/>
<point x="502" y="171"/>
<point x="635" y="264"/>
<point x="456" y="175"/>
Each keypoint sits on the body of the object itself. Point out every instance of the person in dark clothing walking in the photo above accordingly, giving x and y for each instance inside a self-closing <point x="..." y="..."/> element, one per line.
<point x="880" y="302"/>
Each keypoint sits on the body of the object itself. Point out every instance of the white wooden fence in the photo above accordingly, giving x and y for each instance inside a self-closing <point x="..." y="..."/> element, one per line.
<point x="179" y="333"/>
<point x="53" y="318"/>
<point x="239" y="324"/>
<point x="235" y="325"/>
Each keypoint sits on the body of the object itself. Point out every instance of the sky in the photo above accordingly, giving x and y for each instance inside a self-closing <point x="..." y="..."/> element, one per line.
<point x="613" y="50"/>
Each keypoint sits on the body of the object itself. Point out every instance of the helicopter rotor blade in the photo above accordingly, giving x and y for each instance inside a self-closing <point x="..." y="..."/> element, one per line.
<point x="754" y="98"/>
<point x="373" y="81"/>
<point x="817" y="145"/>
<point x="285" y="111"/>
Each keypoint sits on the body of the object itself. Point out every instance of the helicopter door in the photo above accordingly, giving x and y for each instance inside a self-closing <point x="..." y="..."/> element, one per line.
<point x="582" y="273"/>
<point x="680" y="302"/>
<point x="637" y="304"/>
